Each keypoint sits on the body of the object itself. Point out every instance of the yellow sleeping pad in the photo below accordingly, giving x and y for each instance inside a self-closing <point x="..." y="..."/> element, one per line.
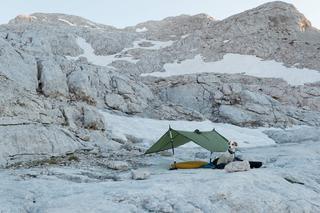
<point x="189" y="165"/>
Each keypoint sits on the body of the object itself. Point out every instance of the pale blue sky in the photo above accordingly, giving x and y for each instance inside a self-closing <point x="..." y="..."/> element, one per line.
<point x="121" y="13"/>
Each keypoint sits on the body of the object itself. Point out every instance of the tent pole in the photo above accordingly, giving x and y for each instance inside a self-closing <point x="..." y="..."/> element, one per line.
<point x="210" y="157"/>
<point x="171" y="140"/>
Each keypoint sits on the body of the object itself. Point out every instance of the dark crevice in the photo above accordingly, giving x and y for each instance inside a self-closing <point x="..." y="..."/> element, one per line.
<point x="66" y="120"/>
<point x="293" y="181"/>
<point x="24" y="124"/>
<point x="39" y="73"/>
<point x="4" y="77"/>
<point x="20" y="54"/>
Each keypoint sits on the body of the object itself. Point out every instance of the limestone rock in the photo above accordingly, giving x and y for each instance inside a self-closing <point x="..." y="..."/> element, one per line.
<point x="167" y="29"/>
<point x="18" y="66"/>
<point x="53" y="80"/>
<point x="140" y="174"/>
<point x="83" y="134"/>
<point x="92" y="119"/>
<point x="118" y="165"/>
<point x="34" y="140"/>
<point x="237" y="166"/>
<point x="115" y="101"/>
<point x="73" y="116"/>
<point x="79" y="84"/>
<point x="267" y="25"/>
<point x="236" y="115"/>
<point x="247" y="102"/>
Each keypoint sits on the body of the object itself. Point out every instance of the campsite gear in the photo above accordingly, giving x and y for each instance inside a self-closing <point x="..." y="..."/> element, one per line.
<point x="209" y="166"/>
<point x="210" y="140"/>
<point x="237" y="166"/>
<point x="210" y="157"/>
<point x="189" y="165"/>
<point x="172" y="147"/>
<point x="212" y="165"/>
<point x="253" y="164"/>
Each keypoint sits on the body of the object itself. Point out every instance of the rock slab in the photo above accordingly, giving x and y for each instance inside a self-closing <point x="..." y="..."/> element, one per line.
<point x="237" y="166"/>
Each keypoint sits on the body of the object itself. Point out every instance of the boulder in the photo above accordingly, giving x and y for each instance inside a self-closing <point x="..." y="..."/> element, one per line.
<point x="79" y="84"/>
<point x="236" y="115"/>
<point x="18" y="66"/>
<point x="92" y="119"/>
<point x="190" y="94"/>
<point x="83" y="134"/>
<point x="255" y="97"/>
<point x="121" y="85"/>
<point x="140" y="174"/>
<point x="237" y="166"/>
<point x="52" y="80"/>
<point x="34" y="140"/>
<point x="73" y="116"/>
<point x="118" y="165"/>
<point x="115" y="101"/>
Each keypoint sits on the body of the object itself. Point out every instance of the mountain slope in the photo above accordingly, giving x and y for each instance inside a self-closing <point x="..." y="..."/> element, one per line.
<point x="72" y="63"/>
<point x="271" y="31"/>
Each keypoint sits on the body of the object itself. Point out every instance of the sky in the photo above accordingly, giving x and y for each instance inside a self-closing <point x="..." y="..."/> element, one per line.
<point x="121" y="13"/>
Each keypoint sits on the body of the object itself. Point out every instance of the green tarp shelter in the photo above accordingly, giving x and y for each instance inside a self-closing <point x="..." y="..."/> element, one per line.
<point x="210" y="140"/>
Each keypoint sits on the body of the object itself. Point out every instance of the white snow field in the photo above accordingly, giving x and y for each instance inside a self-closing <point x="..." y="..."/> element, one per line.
<point x="67" y="22"/>
<point x="236" y="63"/>
<point x="143" y="29"/>
<point x="105" y="60"/>
<point x="150" y="130"/>
<point x="101" y="60"/>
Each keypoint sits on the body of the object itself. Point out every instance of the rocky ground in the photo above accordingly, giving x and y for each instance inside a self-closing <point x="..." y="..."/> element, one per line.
<point x="59" y="72"/>
<point x="288" y="182"/>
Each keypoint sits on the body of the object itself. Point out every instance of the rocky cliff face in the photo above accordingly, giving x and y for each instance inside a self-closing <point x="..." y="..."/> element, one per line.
<point x="272" y="31"/>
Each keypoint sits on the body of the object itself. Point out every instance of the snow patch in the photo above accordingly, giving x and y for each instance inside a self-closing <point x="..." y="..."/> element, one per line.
<point x="140" y="30"/>
<point x="150" y="130"/>
<point x="101" y="60"/>
<point x="185" y="36"/>
<point x="66" y="21"/>
<point x="236" y="63"/>
<point x="105" y="60"/>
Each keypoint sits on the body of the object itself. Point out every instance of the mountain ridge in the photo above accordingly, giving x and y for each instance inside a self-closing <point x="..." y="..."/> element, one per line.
<point x="273" y="5"/>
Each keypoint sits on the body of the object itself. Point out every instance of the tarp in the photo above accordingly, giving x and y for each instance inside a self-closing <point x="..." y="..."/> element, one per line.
<point x="210" y="140"/>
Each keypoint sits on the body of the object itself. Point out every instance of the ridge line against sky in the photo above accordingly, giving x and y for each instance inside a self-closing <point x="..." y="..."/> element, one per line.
<point x="122" y="13"/>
